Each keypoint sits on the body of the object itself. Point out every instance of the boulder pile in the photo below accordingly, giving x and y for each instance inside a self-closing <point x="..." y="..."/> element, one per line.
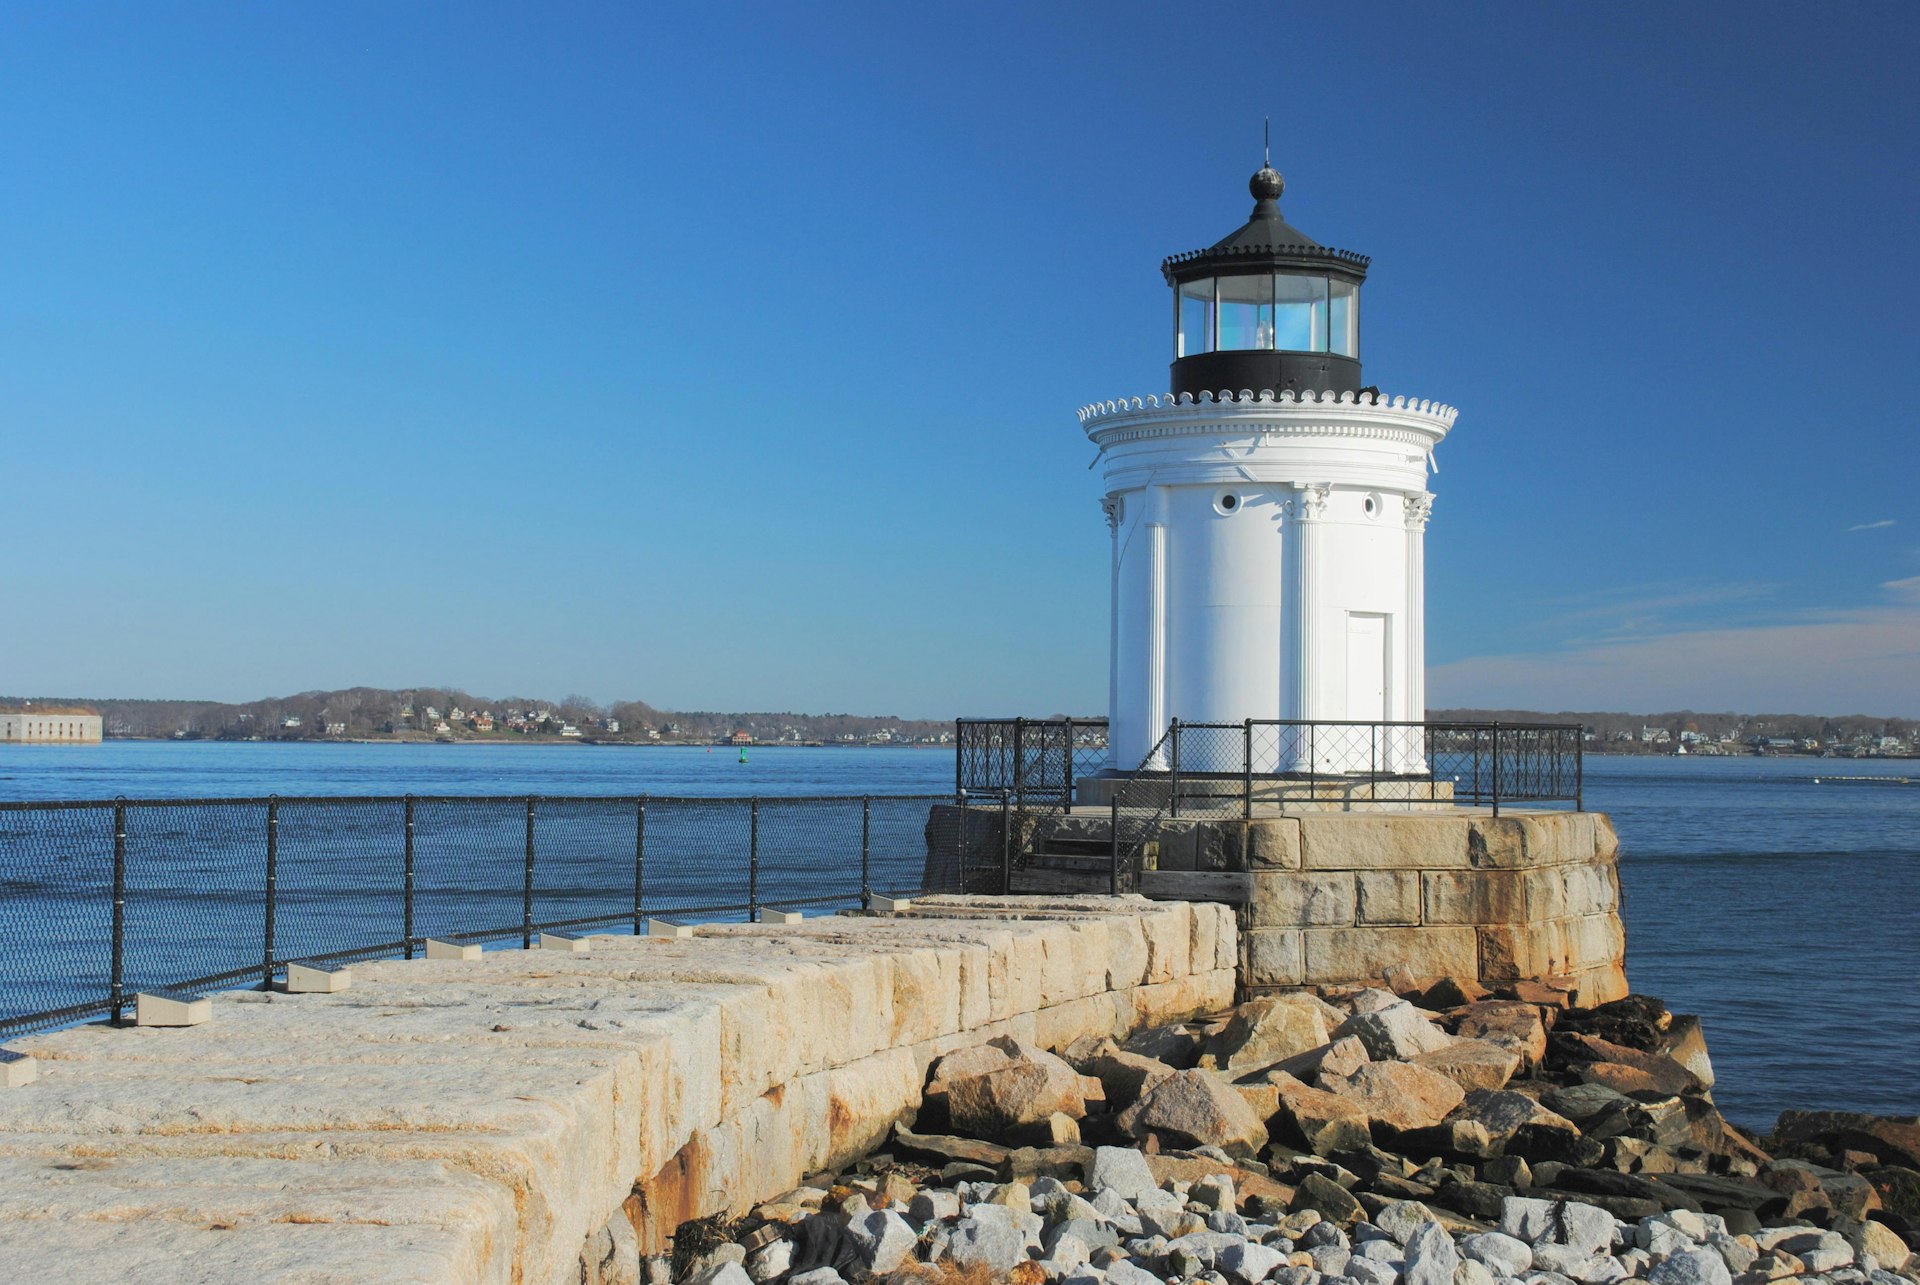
<point x="1436" y="1135"/>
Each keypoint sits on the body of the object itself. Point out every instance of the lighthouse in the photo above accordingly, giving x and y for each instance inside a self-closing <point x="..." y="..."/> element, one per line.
<point x="1268" y="517"/>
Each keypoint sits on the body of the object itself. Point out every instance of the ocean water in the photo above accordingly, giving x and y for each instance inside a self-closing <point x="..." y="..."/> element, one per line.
<point x="1780" y="905"/>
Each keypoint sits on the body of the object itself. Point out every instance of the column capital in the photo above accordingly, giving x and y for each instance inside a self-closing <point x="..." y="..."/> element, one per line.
<point x="1310" y="501"/>
<point x="1111" y="507"/>
<point x="1419" y="510"/>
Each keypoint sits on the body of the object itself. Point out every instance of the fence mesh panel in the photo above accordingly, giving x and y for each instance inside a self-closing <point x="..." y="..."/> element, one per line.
<point x="340" y="881"/>
<point x="585" y="863"/>
<point x="56" y="914"/>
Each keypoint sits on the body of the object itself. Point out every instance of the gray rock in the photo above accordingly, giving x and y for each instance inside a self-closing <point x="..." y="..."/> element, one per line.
<point x="1692" y="1267"/>
<point x="1330" y="1260"/>
<point x="1551" y="1256"/>
<point x="1366" y="1271"/>
<point x="1471" y="1273"/>
<point x="727" y="1273"/>
<point x="818" y="1276"/>
<point x="1196" y="1109"/>
<point x="1294" y="1274"/>
<point x="1121" y="1170"/>
<point x="1228" y="1221"/>
<point x="771" y="1261"/>
<point x="1379" y="1249"/>
<point x="1525" y="1218"/>
<point x="1088" y="1232"/>
<point x="1248" y="1263"/>
<point x="1127" y="1272"/>
<point x="883" y="1239"/>
<point x="1402" y="1218"/>
<point x="1066" y="1252"/>
<point x="1395" y="1031"/>
<point x="1737" y="1256"/>
<point x="990" y="1243"/>
<point x="1431" y="1256"/>
<point x="1182" y="1263"/>
<point x="1586" y="1228"/>
<point x="1215" y="1191"/>
<point x="933" y="1205"/>
<point x="1823" y="1251"/>
<point x="1506" y="1255"/>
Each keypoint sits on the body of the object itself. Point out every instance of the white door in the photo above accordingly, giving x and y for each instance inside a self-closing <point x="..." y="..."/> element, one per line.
<point x="1366" y="667"/>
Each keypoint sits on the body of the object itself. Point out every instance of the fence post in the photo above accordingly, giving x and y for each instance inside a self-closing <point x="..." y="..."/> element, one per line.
<point x="866" y="852"/>
<point x="526" y="895"/>
<point x="407" y="900"/>
<point x="273" y="892"/>
<point x="1246" y="767"/>
<point x="1496" y="769"/>
<point x="1006" y="843"/>
<point x="1580" y="770"/>
<point x="966" y="824"/>
<point x="116" y="984"/>
<point x="1020" y="763"/>
<point x="1113" y="865"/>
<point x="753" y="864"/>
<point x="639" y="862"/>
<point x="1068" y="805"/>
<point x="960" y="756"/>
<point x="1313" y="762"/>
<point x="1173" y="804"/>
<point x="1373" y="762"/>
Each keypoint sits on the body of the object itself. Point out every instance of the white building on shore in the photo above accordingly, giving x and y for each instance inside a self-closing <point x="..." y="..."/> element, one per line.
<point x="50" y="725"/>
<point x="1269" y="514"/>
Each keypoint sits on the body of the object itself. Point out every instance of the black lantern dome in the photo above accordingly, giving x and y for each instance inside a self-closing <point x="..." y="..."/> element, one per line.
<point x="1267" y="308"/>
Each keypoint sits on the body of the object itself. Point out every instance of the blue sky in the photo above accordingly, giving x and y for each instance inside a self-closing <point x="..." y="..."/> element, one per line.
<point x="727" y="356"/>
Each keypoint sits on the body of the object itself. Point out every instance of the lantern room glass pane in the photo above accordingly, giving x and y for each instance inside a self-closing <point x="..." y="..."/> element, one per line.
<point x="1246" y="313"/>
<point x="1300" y="313"/>
<point x="1345" y="314"/>
<point x="1196" y="317"/>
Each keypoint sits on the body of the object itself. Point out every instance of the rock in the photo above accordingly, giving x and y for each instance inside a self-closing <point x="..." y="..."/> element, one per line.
<point x="1548" y="1140"/>
<point x="1480" y="1200"/>
<point x="1503" y="1112"/>
<point x="1473" y="1064"/>
<point x="1515" y="1025"/>
<point x="986" y="1242"/>
<point x="1215" y="1191"/>
<point x="1370" y="999"/>
<point x="771" y="1261"/>
<point x="1400" y="1219"/>
<point x="940" y="1149"/>
<point x="1399" y="1094"/>
<point x="727" y="1273"/>
<point x="1585" y="1103"/>
<point x="961" y="1064"/>
<point x="1267" y="1030"/>
<point x="934" y="1204"/>
<point x="883" y="1239"/>
<point x="1396" y="1030"/>
<point x="1248" y="1263"/>
<point x="1177" y="1046"/>
<point x="1034" y="1085"/>
<point x="1453" y="992"/>
<point x="1585" y="1228"/>
<point x="1511" y="1171"/>
<point x="1328" y="1198"/>
<point x="818" y="1276"/>
<point x="1821" y="1251"/>
<point x="1368" y="1271"/>
<point x="1893" y="1141"/>
<point x="1737" y="1255"/>
<point x="1324" y="1122"/>
<point x="1125" y="1076"/>
<point x="1472" y="1273"/>
<point x="1886" y="1247"/>
<point x="1506" y="1255"/>
<point x="1064" y="1161"/>
<point x="1604" y="1062"/>
<point x="1431" y="1256"/>
<point x="1126" y="1272"/>
<point x="1193" y="1109"/>
<point x="1691" y="1267"/>
<point x="1121" y="1170"/>
<point x="1061" y="1129"/>
<point x="1685" y="1043"/>
<point x="1525" y="1218"/>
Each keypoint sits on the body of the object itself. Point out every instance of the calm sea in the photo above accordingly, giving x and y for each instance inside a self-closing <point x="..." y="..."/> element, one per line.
<point x="1780" y="905"/>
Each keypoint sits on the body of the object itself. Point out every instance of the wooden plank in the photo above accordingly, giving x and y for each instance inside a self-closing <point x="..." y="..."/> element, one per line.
<point x="1039" y="879"/>
<point x="1232" y="886"/>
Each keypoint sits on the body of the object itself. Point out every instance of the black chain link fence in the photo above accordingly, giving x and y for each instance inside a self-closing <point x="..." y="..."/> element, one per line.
<point x="102" y="900"/>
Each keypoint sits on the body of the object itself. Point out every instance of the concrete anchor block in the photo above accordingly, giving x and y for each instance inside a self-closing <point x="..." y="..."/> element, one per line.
<point x="171" y="1008"/>
<point x="451" y="950"/>
<point x="667" y="928"/>
<point x="305" y="979"/>
<point x="17" y="1069"/>
<point x="890" y="905"/>
<point x="562" y="942"/>
<point x="782" y="917"/>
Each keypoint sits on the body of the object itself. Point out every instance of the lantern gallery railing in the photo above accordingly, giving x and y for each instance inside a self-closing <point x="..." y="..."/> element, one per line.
<point x="1209" y="766"/>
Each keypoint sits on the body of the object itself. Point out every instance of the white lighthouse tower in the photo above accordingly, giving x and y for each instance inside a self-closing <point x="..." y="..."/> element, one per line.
<point x="1268" y="516"/>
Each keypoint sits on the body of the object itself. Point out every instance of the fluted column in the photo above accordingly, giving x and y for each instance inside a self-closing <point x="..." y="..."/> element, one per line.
<point x="1111" y="507"/>
<point x="1156" y="521"/>
<point x="1419" y="508"/>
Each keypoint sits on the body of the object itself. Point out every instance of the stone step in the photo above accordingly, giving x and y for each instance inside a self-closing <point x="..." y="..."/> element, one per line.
<point x="1041" y="879"/>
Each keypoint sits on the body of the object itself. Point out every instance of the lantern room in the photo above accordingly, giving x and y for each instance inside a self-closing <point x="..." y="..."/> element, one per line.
<point x="1267" y="308"/>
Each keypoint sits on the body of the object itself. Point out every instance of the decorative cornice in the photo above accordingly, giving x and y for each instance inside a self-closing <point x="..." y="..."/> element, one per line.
<point x="1246" y="399"/>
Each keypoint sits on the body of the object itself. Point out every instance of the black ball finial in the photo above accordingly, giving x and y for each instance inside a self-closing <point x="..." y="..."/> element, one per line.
<point x="1266" y="184"/>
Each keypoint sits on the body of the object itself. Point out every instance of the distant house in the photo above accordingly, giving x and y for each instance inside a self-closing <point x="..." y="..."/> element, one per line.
<point x="740" y="738"/>
<point x="336" y="729"/>
<point x="609" y="724"/>
<point x="482" y="722"/>
<point x="433" y="715"/>
<point x="568" y="729"/>
<point x="290" y="723"/>
<point x="456" y="715"/>
<point x="442" y="728"/>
